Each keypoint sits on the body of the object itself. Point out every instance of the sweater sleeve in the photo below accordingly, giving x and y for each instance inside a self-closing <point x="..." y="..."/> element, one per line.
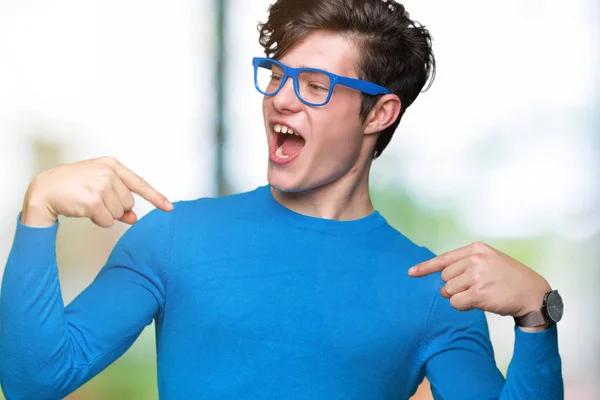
<point x="46" y="350"/>
<point x="460" y="361"/>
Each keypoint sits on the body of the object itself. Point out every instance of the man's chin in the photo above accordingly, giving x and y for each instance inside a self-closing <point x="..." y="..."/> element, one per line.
<point x="284" y="186"/>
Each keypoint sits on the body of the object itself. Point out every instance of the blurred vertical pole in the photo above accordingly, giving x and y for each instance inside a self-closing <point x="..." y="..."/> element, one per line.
<point x="221" y="180"/>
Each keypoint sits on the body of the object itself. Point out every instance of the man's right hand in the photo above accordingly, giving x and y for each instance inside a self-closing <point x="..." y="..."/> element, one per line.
<point x="99" y="189"/>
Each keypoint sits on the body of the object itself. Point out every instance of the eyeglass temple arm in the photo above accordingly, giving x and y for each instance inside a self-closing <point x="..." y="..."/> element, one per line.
<point x="363" y="86"/>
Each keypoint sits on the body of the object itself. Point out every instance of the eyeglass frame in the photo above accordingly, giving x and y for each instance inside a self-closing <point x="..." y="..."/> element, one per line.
<point x="290" y="72"/>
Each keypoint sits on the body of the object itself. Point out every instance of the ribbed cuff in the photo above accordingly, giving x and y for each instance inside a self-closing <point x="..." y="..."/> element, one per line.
<point x="536" y="346"/>
<point x="33" y="245"/>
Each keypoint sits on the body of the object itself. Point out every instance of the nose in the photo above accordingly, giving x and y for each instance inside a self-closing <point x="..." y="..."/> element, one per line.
<point x="286" y="99"/>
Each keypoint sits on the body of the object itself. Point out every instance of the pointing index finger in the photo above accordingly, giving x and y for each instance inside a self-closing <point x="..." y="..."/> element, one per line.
<point x="139" y="186"/>
<point x="440" y="262"/>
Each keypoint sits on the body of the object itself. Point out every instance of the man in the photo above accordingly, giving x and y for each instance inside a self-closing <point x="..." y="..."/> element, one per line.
<point x="298" y="289"/>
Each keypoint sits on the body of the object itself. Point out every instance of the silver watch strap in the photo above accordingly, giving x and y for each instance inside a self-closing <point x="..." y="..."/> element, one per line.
<point x="534" y="318"/>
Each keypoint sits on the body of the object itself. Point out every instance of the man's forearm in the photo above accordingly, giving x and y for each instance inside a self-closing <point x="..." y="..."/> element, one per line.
<point x="31" y="315"/>
<point x="535" y="371"/>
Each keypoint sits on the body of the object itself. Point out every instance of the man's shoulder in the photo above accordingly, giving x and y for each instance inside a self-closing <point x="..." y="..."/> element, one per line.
<point x="423" y="293"/>
<point x="397" y="244"/>
<point x="216" y="207"/>
<point x="400" y="252"/>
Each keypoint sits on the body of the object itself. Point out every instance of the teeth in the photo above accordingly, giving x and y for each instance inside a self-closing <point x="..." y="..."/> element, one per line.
<point x="284" y="129"/>
<point x="279" y="153"/>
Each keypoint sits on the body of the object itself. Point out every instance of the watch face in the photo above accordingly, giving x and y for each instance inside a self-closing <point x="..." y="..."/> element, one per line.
<point x="554" y="306"/>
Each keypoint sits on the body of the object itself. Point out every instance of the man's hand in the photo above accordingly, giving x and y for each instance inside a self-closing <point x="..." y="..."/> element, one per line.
<point x="479" y="276"/>
<point x="99" y="189"/>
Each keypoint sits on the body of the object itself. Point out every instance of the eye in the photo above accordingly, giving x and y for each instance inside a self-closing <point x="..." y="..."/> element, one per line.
<point x="318" y="87"/>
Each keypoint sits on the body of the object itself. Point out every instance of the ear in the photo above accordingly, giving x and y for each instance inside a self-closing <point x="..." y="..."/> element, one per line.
<point x="384" y="113"/>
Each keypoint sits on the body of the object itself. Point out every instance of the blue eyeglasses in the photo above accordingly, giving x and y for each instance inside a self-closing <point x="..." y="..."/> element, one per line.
<point x="312" y="86"/>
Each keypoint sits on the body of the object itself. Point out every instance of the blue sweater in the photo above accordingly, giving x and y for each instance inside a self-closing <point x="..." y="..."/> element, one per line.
<point x="254" y="301"/>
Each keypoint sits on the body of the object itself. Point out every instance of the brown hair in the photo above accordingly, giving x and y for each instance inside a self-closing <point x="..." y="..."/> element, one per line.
<point x="396" y="51"/>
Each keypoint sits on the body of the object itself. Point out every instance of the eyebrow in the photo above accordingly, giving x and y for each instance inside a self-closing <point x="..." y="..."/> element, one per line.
<point x="322" y="69"/>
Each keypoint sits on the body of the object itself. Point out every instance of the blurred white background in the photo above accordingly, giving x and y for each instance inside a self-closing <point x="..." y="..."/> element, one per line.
<point x="506" y="141"/>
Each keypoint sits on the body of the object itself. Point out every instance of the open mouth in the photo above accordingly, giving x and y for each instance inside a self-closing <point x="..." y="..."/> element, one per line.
<point x="286" y="143"/>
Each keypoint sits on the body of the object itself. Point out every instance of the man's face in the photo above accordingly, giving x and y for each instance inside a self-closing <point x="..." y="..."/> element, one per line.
<point x="331" y="136"/>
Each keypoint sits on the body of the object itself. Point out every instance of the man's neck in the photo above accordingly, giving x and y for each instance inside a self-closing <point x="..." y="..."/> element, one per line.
<point x="346" y="198"/>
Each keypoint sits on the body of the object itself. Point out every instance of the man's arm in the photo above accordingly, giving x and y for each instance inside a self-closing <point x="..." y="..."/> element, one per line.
<point x="460" y="361"/>
<point x="457" y="350"/>
<point x="47" y="350"/>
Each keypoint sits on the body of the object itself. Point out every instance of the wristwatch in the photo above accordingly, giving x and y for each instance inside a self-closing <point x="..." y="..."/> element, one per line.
<point x="550" y="313"/>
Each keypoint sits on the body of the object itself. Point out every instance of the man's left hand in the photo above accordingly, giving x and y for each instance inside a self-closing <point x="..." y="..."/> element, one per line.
<point x="479" y="276"/>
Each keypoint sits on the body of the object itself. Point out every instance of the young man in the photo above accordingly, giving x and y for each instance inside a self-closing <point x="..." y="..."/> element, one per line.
<point x="298" y="289"/>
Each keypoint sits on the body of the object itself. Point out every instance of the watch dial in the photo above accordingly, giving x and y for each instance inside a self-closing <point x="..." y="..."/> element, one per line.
<point x="555" y="307"/>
